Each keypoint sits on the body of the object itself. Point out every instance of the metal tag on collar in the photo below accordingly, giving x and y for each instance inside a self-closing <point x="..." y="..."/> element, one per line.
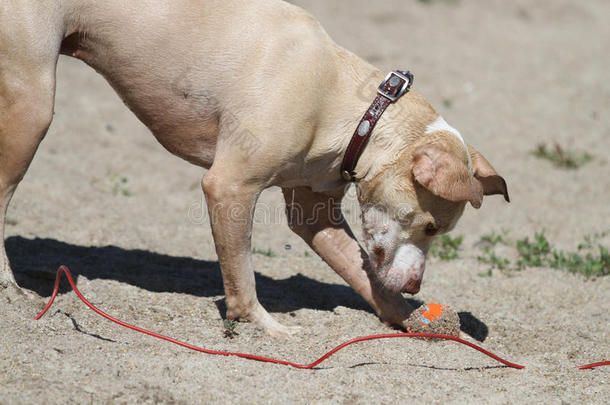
<point x="407" y="79"/>
<point x="347" y="176"/>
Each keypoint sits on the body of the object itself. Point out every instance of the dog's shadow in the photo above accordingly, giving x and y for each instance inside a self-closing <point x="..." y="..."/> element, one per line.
<point x="35" y="261"/>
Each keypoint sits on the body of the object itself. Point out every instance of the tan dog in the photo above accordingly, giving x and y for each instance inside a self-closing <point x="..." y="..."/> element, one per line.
<point x="258" y="93"/>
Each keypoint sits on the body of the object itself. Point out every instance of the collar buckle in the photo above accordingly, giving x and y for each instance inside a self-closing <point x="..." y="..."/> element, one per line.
<point x="386" y="88"/>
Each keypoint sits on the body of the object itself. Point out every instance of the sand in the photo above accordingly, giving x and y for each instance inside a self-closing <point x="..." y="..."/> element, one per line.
<point x="105" y="199"/>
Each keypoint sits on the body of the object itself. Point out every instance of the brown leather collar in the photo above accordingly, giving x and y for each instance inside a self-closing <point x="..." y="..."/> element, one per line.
<point x="395" y="85"/>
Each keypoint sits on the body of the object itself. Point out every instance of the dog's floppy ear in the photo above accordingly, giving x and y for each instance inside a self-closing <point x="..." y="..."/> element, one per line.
<point x="491" y="181"/>
<point x="445" y="175"/>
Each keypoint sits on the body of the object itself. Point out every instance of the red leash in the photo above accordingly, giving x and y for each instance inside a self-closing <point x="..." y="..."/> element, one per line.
<point x="593" y="365"/>
<point x="64" y="269"/>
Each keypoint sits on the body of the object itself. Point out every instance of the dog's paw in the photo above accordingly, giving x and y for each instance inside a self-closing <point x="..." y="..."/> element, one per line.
<point x="272" y="327"/>
<point x="282" y="331"/>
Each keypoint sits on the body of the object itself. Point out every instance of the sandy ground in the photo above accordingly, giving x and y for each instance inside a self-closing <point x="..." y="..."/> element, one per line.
<point x="507" y="74"/>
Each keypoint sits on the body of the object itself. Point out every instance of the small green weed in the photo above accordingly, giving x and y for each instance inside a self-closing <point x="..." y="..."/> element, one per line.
<point x="590" y="265"/>
<point x="533" y="253"/>
<point x="230" y="328"/>
<point x="591" y="240"/>
<point x="493" y="260"/>
<point x="120" y="185"/>
<point x="488" y="273"/>
<point x="492" y="239"/>
<point x="561" y="157"/>
<point x="268" y="252"/>
<point x="591" y="259"/>
<point x="446" y="248"/>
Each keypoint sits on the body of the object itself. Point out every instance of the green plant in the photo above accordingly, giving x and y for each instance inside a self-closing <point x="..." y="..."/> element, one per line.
<point x="561" y="157"/>
<point x="534" y="253"/>
<point x="488" y="273"/>
<point x="591" y="259"/>
<point x="120" y="185"/>
<point x="591" y="240"/>
<point x="230" y="328"/>
<point x="493" y="260"/>
<point x="446" y="248"/>
<point x="590" y="264"/>
<point x="489" y="242"/>
<point x="493" y="238"/>
<point x="268" y="252"/>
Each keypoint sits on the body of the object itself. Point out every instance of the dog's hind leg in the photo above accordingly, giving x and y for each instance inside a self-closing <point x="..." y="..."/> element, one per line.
<point x="28" y="55"/>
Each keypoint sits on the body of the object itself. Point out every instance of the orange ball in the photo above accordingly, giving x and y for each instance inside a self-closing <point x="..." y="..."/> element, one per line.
<point x="434" y="318"/>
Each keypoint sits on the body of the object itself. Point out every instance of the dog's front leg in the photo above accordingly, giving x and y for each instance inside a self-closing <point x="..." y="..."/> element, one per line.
<point x="231" y="205"/>
<point x="317" y="219"/>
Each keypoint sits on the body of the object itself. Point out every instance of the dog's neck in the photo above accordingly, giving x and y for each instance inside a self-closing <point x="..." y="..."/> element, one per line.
<point x="357" y="86"/>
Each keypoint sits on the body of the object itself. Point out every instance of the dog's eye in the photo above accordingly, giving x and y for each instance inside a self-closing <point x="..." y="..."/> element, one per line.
<point x="431" y="230"/>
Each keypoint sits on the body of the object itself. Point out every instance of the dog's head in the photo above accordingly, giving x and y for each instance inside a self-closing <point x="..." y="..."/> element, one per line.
<point x="420" y="195"/>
